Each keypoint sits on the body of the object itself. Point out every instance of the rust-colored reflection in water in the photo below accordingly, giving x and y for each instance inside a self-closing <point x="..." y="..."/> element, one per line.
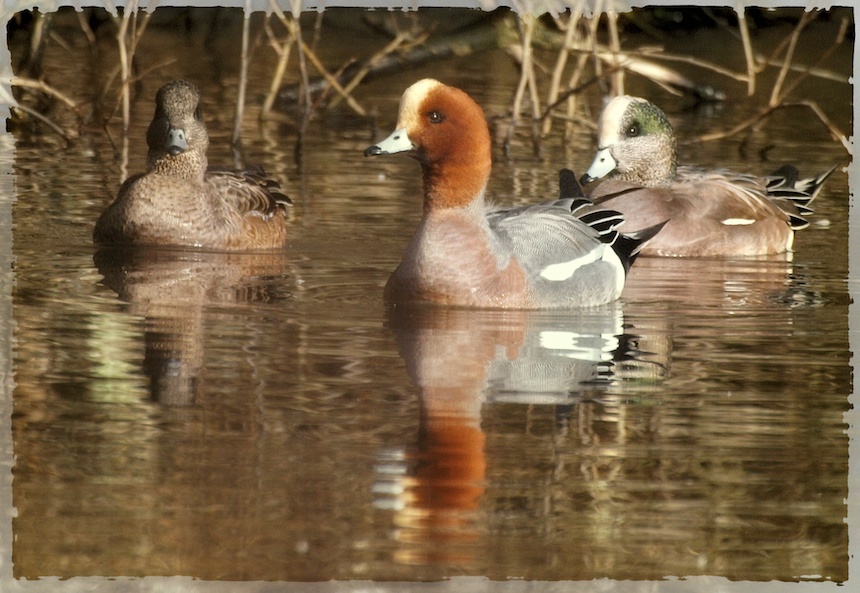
<point x="265" y="417"/>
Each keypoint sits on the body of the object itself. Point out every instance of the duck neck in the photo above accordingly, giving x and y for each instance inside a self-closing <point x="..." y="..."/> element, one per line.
<point x="188" y="165"/>
<point x="454" y="184"/>
<point x="660" y="170"/>
<point x="665" y="162"/>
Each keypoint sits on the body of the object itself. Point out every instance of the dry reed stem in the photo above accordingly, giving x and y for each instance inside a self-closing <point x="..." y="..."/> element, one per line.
<point x="399" y="40"/>
<point x="561" y="61"/>
<point x="85" y="27"/>
<point x="127" y="44"/>
<point x="615" y="48"/>
<point x="555" y="80"/>
<point x="748" y="52"/>
<point x="315" y="38"/>
<point x="44" y="87"/>
<point x="576" y="75"/>
<point x="294" y="28"/>
<point x="124" y="63"/>
<point x="812" y="71"/>
<point x="283" y="50"/>
<point x="64" y="134"/>
<point x="805" y="19"/>
<point x="835" y="132"/>
<point x="243" y="75"/>
<point x="776" y="51"/>
<point x="659" y="54"/>
<point x="764" y="113"/>
<point x="806" y="71"/>
<point x="296" y="9"/>
<point x="353" y="104"/>
<point x="527" y="23"/>
<point x="777" y="100"/>
<point x="38" y="35"/>
<point x="337" y="74"/>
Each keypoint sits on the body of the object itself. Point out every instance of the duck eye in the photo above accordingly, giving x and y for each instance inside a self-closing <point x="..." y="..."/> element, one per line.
<point x="633" y="130"/>
<point x="198" y="114"/>
<point x="435" y="117"/>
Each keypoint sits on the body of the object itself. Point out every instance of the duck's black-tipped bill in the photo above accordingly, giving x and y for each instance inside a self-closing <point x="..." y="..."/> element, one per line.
<point x="586" y="179"/>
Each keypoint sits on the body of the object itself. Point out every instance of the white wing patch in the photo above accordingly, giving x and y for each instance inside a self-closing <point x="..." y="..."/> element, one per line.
<point x="737" y="221"/>
<point x="580" y="346"/>
<point x="564" y="270"/>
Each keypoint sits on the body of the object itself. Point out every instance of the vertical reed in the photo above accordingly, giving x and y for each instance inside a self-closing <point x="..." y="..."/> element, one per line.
<point x="243" y="75"/>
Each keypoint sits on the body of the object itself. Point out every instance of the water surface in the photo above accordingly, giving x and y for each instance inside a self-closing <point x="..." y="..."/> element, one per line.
<point x="265" y="417"/>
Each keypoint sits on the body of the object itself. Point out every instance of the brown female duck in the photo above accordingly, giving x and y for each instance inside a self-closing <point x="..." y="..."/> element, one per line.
<point x="179" y="201"/>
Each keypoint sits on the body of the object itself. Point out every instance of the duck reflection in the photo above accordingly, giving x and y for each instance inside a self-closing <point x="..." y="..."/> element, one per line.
<point x="461" y="360"/>
<point x="170" y="289"/>
<point x="723" y="283"/>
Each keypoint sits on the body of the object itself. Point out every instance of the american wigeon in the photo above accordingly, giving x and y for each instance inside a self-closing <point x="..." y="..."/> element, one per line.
<point x="709" y="212"/>
<point x="541" y="256"/>
<point x="177" y="201"/>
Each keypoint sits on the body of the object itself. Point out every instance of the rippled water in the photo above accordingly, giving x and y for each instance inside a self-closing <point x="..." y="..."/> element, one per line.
<point x="266" y="418"/>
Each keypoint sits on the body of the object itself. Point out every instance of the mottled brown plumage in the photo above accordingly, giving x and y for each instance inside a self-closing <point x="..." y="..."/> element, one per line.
<point x="178" y="201"/>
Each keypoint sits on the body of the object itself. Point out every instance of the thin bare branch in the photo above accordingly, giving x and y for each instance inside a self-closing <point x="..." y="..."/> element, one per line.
<point x="44" y="87"/>
<point x="835" y="132"/>
<point x="659" y="54"/>
<point x="758" y="118"/>
<point x="747" y="123"/>
<point x="399" y="40"/>
<point x="805" y="19"/>
<point x="65" y="135"/>
<point x="332" y="80"/>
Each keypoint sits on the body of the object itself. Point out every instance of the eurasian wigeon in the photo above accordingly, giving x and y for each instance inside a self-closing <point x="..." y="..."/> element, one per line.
<point x="177" y="201"/>
<point x="709" y="212"/>
<point x="466" y="254"/>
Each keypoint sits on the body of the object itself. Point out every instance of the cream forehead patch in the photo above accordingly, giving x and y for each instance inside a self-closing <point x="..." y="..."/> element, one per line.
<point x="610" y="120"/>
<point x="411" y="101"/>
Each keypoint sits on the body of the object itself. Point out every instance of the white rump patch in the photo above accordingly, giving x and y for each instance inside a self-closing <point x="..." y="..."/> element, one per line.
<point x="738" y="221"/>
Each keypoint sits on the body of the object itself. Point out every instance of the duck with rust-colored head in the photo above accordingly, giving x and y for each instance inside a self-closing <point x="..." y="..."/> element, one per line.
<point x="466" y="254"/>
<point x="710" y="212"/>
<point x="179" y="201"/>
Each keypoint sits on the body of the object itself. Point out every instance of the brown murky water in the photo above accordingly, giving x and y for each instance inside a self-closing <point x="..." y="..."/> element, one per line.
<point x="264" y="418"/>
